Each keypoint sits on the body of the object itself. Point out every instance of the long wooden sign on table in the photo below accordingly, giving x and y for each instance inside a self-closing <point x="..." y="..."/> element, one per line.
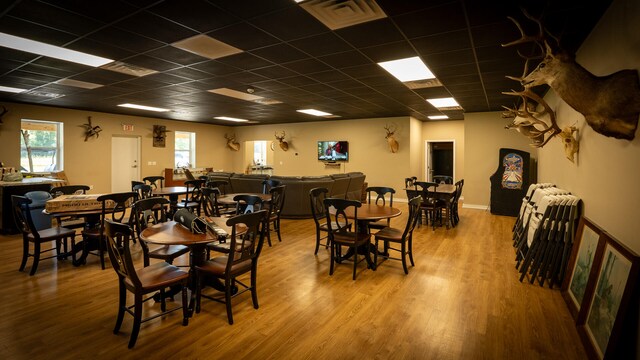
<point x="69" y="203"/>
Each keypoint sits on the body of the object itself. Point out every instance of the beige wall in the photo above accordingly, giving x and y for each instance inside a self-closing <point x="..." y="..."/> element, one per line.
<point x="606" y="175"/>
<point x="416" y="162"/>
<point x="484" y="136"/>
<point x="90" y="162"/>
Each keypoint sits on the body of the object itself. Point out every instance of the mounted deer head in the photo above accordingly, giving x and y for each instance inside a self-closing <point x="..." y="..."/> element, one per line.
<point x="4" y="111"/>
<point x="283" y="144"/>
<point x="610" y="104"/>
<point x="231" y="142"/>
<point x="391" y="139"/>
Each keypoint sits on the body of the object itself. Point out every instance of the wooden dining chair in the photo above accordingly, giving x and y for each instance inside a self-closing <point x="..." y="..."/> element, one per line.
<point x="210" y="205"/>
<point x="144" y="191"/>
<point x="154" y="181"/>
<point x="442" y="179"/>
<point x="134" y="183"/>
<point x="268" y="184"/>
<point x="140" y="281"/>
<point x="245" y="204"/>
<point x="409" y="182"/>
<point x="192" y="197"/>
<point x="31" y="235"/>
<point x="340" y="233"/>
<point x="222" y="185"/>
<point x="275" y="209"/>
<point x="403" y="237"/>
<point x="69" y="190"/>
<point x="381" y="194"/>
<point x="114" y="208"/>
<point x="431" y="205"/>
<point x="243" y="260"/>
<point x="147" y="212"/>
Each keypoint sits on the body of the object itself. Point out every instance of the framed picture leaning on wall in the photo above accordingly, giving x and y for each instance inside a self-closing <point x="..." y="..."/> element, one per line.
<point x="585" y="256"/>
<point x="613" y="298"/>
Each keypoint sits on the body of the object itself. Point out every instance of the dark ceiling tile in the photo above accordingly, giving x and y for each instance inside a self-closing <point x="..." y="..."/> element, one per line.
<point x="175" y="55"/>
<point x="328" y="76"/>
<point x="364" y="71"/>
<point x="322" y="44"/>
<point x="345" y="84"/>
<point x="100" y="76"/>
<point x="271" y="85"/>
<point x="52" y="17"/>
<point x="455" y="40"/>
<point x="454" y="70"/>
<point x="125" y="39"/>
<point x="274" y="72"/>
<point x="280" y="53"/>
<point x="494" y="33"/>
<point x="392" y="51"/>
<point x="199" y="15"/>
<point x="307" y="66"/>
<point x="245" y="61"/>
<point x="243" y="36"/>
<point x="25" y="29"/>
<point x="46" y="70"/>
<point x="459" y="79"/>
<point x="105" y="11"/>
<point x="62" y="65"/>
<point x="497" y="52"/>
<point x="244" y="77"/>
<point x="151" y="63"/>
<point x="167" y="78"/>
<point x="345" y="59"/>
<point x="215" y="68"/>
<point x="449" y="58"/>
<point x="188" y="73"/>
<point x="289" y="24"/>
<point x="371" y="33"/>
<point x="247" y="9"/>
<point x="16" y="55"/>
<point x="431" y="93"/>
<point x="99" y="49"/>
<point x="155" y="27"/>
<point x="298" y="81"/>
<point x="443" y="18"/>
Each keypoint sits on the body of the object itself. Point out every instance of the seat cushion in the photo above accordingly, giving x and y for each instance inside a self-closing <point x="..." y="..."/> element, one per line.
<point x="389" y="234"/>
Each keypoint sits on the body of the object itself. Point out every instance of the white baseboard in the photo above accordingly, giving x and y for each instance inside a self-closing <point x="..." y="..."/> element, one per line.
<point x="477" y="207"/>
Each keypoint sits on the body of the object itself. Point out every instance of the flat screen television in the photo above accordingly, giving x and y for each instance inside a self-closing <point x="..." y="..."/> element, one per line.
<point x="333" y="150"/>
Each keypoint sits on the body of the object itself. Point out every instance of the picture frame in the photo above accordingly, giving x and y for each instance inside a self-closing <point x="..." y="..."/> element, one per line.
<point x="606" y="320"/>
<point x="580" y="277"/>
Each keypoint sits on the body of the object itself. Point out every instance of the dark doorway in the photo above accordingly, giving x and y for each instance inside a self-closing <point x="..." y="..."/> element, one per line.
<point x="441" y="158"/>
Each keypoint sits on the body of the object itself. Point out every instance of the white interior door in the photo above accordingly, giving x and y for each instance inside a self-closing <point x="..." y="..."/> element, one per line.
<point x="125" y="162"/>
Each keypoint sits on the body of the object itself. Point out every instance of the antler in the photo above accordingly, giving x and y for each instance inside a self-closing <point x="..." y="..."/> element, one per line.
<point x="232" y="137"/>
<point x="390" y="129"/>
<point x="280" y="138"/>
<point x="532" y="118"/>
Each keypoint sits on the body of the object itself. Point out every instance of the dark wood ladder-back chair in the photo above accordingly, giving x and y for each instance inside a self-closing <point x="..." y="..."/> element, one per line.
<point x="141" y="281"/>
<point x="156" y="182"/>
<point x="340" y="233"/>
<point x="404" y="237"/>
<point x="440" y="179"/>
<point x="431" y="205"/>
<point x="409" y="182"/>
<point x="117" y="213"/>
<point x="192" y="197"/>
<point x="147" y="212"/>
<point x="316" y="199"/>
<point x="70" y="222"/>
<point x="268" y="184"/>
<point x="235" y="263"/>
<point x="134" y="183"/>
<point x="144" y="191"/>
<point x="275" y="209"/>
<point x="31" y="235"/>
<point x="381" y="194"/>
<point x="222" y="185"/>
<point x="245" y="204"/>
<point x="210" y="205"/>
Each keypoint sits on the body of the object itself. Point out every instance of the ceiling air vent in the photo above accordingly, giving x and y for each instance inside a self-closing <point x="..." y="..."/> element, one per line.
<point x="337" y="14"/>
<point x="128" y="69"/>
<point x="423" y="84"/>
<point x="265" y="101"/>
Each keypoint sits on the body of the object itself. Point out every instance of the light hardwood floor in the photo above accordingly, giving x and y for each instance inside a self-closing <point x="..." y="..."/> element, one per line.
<point x="462" y="300"/>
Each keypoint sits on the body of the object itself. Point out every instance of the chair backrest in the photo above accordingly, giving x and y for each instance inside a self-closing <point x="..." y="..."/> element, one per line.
<point x="188" y="174"/>
<point x="38" y="199"/>
<point x="22" y="215"/>
<point x="381" y="192"/>
<point x="268" y="184"/>
<point x="148" y="211"/>
<point x="155" y="181"/>
<point x="339" y="222"/>
<point x="222" y="185"/>
<point x="247" y="203"/>
<point x="245" y="244"/>
<point x="209" y="201"/>
<point x="409" y="182"/>
<point x="193" y="190"/>
<point x="69" y="190"/>
<point x="134" y="183"/>
<point x="414" y="215"/>
<point x="277" y="199"/>
<point x="424" y="189"/>
<point x="120" y="202"/>
<point x="316" y="199"/>
<point x="144" y="190"/>
<point x="119" y="237"/>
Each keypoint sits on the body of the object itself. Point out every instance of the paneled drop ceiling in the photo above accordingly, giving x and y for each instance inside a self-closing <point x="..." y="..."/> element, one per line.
<point x="276" y="53"/>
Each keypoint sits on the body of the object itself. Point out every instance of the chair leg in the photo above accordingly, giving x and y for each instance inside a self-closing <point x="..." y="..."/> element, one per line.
<point x="185" y="305"/>
<point x="137" y="319"/>
<point x="73" y="245"/>
<point x="411" y="249"/>
<point x="254" y="289"/>
<point x="277" y="225"/>
<point x="25" y="254"/>
<point x="227" y="299"/>
<point x="375" y="254"/>
<point x="101" y="250"/>
<point x="333" y="255"/>
<point x="403" y="253"/>
<point x="317" y="241"/>
<point x="36" y="257"/>
<point x="122" y="303"/>
<point x="355" y="262"/>
<point x="198" y="281"/>
<point x="163" y="302"/>
<point x="268" y="230"/>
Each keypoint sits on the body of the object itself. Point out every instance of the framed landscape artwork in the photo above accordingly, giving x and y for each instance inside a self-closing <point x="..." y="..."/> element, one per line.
<point x="585" y="257"/>
<point x="610" y="300"/>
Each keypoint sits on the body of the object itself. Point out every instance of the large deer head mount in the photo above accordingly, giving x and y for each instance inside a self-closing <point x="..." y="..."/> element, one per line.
<point x="610" y="104"/>
<point x="232" y="143"/>
<point x="283" y="144"/>
<point x="391" y="139"/>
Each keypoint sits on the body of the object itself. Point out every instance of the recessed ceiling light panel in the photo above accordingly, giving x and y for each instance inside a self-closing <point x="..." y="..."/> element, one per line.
<point x="438" y="117"/>
<point x="314" y="112"/>
<point x="227" y="118"/>
<point x="143" y="107"/>
<point x="40" y="48"/>
<point x="206" y="46"/>
<point x="441" y="103"/>
<point x="12" y="89"/>
<point x="409" y="69"/>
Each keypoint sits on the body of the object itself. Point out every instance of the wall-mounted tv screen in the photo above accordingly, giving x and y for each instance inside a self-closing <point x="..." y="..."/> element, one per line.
<point x="333" y="150"/>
